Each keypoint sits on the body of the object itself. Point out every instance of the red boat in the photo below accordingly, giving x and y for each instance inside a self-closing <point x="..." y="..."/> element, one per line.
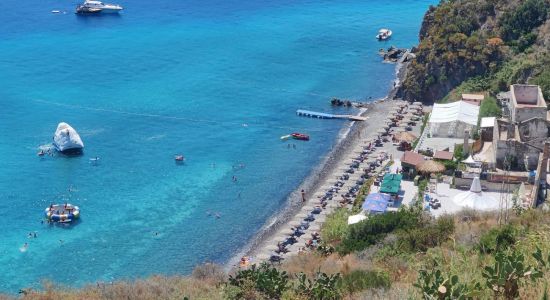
<point x="300" y="136"/>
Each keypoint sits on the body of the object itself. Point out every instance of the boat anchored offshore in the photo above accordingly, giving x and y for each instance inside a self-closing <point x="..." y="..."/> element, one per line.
<point x="66" y="140"/>
<point x="62" y="213"/>
<point x="300" y="136"/>
<point x="93" y="6"/>
<point x="384" y="34"/>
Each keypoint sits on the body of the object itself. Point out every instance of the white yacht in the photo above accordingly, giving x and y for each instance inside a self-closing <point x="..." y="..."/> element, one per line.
<point x="94" y="6"/>
<point x="384" y="34"/>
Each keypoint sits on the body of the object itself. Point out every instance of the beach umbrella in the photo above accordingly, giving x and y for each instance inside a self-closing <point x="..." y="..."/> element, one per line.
<point x="430" y="166"/>
<point x="406" y="137"/>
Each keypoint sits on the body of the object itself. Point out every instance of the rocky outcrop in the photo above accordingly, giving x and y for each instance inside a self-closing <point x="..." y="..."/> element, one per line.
<point x="67" y="140"/>
<point x="452" y="48"/>
<point x="392" y="54"/>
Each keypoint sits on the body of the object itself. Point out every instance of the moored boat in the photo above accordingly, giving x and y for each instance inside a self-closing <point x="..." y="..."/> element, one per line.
<point x="300" y="136"/>
<point x="384" y="34"/>
<point x="93" y="6"/>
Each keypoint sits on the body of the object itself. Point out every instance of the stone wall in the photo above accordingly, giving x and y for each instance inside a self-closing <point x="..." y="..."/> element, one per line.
<point x="518" y="154"/>
<point x="520" y="114"/>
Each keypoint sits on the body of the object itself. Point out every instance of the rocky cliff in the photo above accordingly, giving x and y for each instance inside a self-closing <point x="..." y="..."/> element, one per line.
<point x="463" y="39"/>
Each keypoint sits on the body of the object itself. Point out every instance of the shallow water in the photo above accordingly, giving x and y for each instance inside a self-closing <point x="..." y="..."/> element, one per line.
<point x="218" y="81"/>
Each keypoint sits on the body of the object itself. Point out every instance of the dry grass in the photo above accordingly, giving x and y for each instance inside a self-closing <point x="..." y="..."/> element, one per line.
<point x="156" y="287"/>
<point x="457" y="256"/>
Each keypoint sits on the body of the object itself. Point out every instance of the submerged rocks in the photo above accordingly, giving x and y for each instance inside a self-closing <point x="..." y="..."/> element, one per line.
<point x="67" y="140"/>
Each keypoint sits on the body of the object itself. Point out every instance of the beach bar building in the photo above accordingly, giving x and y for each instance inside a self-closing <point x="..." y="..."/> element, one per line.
<point x="410" y="161"/>
<point x="453" y="120"/>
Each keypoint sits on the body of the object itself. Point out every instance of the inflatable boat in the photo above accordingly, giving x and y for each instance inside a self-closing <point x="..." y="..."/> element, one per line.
<point x="62" y="213"/>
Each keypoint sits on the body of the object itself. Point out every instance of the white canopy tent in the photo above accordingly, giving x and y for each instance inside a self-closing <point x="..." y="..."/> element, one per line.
<point x="476" y="199"/>
<point x="356" y="219"/>
<point x="453" y="119"/>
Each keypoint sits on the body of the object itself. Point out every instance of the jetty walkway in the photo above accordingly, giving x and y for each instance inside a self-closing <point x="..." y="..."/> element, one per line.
<point x="320" y="115"/>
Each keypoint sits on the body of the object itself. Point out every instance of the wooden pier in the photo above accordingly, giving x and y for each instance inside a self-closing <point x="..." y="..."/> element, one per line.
<point x="319" y="115"/>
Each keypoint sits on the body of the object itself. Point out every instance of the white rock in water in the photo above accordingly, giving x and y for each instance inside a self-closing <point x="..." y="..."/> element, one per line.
<point x="66" y="139"/>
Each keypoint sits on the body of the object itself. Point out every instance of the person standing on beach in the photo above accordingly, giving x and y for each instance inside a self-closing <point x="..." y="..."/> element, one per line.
<point x="303" y="196"/>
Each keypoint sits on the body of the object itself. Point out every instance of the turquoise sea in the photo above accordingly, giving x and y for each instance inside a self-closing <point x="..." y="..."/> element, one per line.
<point x="218" y="81"/>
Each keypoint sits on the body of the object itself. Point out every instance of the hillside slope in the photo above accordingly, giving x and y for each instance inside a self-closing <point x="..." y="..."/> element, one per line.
<point x="500" y="42"/>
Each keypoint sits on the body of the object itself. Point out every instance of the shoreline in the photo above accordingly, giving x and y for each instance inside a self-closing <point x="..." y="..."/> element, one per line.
<point x="349" y="138"/>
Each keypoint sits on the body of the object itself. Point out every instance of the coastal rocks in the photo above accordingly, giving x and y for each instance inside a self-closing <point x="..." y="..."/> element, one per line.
<point x="339" y="102"/>
<point x="67" y="140"/>
<point x="392" y="54"/>
<point x="346" y="103"/>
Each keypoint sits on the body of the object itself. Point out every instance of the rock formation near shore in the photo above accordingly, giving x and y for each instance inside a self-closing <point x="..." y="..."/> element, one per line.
<point x="501" y="41"/>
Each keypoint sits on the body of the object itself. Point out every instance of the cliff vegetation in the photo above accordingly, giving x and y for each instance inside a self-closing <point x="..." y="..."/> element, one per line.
<point x="480" y="46"/>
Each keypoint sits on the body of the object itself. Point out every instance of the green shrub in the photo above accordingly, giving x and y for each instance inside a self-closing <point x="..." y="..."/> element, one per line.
<point x="376" y="227"/>
<point x="449" y="164"/>
<point x="434" y="284"/>
<point x="543" y="80"/>
<point x="489" y="108"/>
<point x="517" y="22"/>
<point x="497" y="239"/>
<point x="359" y="280"/>
<point x="423" y="237"/>
<point x="458" y="153"/>
<point x="336" y="226"/>
<point x="259" y="281"/>
<point x="322" y="287"/>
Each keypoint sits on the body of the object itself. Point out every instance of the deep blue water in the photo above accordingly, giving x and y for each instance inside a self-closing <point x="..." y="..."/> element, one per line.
<point x="170" y="77"/>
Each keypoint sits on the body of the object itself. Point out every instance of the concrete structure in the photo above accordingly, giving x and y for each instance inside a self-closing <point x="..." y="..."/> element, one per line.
<point x="410" y="161"/>
<point x="486" y="126"/>
<point x="473" y="98"/>
<point x="521" y="137"/>
<point x="526" y="102"/>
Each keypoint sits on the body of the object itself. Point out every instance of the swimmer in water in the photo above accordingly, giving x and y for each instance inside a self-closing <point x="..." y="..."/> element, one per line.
<point x="24" y="247"/>
<point x="218" y="215"/>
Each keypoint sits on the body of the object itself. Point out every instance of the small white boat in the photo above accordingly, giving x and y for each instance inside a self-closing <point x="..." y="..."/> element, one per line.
<point x="93" y="6"/>
<point x="56" y="11"/>
<point x="384" y="34"/>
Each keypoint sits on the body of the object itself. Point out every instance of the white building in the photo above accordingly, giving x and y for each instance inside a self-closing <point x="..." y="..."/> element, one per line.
<point x="453" y="119"/>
